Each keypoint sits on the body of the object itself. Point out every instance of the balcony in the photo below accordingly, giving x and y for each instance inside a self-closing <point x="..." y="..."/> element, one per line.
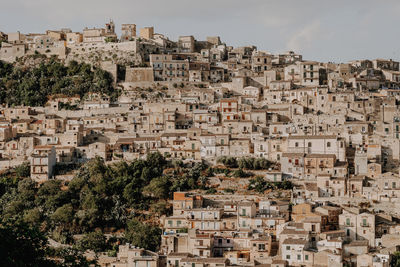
<point x="203" y="246"/>
<point x="364" y="224"/>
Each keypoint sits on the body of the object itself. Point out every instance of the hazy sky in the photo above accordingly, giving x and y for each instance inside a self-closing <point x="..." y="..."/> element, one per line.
<point x="326" y="30"/>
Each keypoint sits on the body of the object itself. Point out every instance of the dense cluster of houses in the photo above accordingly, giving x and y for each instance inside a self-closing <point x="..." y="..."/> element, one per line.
<point x="332" y="129"/>
<point x="243" y="230"/>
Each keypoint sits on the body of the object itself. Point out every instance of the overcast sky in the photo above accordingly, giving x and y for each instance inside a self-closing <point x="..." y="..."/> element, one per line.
<point x="326" y="30"/>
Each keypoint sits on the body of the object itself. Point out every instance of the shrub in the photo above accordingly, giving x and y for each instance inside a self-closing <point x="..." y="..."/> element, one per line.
<point x="211" y="191"/>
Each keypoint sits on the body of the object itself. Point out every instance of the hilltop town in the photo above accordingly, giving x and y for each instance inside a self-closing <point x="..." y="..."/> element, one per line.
<point x="241" y="157"/>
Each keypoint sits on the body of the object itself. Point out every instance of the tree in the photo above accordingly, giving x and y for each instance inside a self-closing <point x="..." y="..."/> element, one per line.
<point x="143" y="235"/>
<point x="159" y="188"/>
<point x="23" y="170"/>
<point x="229" y="162"/>
<point x="161" y="207"/>
<point x="395" y="261"/>
<point x="26" y="190"/>
<point x="285" y="185"/>
<point x="31" y="86"/>
<point x="63" y="215"/>
<point x="73" y="258"/>
<point x="32" y="216"/>
<point x="156" y="162"/>
<point x="99" y="196"/>
<point x="95" y="241"/>
<point x="240" y="173"/>
<point x="259" y="184"/>
<point x="22" y="246"/>
<point x="253" y="163"/>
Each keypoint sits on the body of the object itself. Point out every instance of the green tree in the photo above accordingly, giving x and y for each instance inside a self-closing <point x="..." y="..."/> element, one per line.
<point x="259" y="184"/>
<point x="95" y="241"/>
<point x="22" y="246"/>
<point x="32" y="85"/>
<point x="143" y="235"/>
<point x="23" y="170"/>
<point x="33" y="216"/>
<point x="158" y="188"/>
<point x="63" y="215"/>
<point x="395" y="261"/>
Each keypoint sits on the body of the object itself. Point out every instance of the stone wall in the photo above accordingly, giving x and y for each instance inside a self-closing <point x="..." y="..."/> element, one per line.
<point x="139" y="74"/>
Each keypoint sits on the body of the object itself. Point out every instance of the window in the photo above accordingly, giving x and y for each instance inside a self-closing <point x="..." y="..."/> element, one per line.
<point x="328" y="144"/>
<point x="306" y="257"/>
<point x="309" y="144"/>
<point x="298" y="257"/>
<point x="348" y="221"/>
<point x="288" y="257"/>
<point x="287" y="247"/>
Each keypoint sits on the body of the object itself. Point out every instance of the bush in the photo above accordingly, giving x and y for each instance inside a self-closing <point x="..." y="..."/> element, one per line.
<point x="229" y="162"/>
<point x="254" y="163"/>
<point x="210" y="172"/>
<point x="259" y="184"/>
<point x="241" y="174"/>
<point x="229" y="190"/>
<point x="285" y="185"/>
<point x="211" y="190"/>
